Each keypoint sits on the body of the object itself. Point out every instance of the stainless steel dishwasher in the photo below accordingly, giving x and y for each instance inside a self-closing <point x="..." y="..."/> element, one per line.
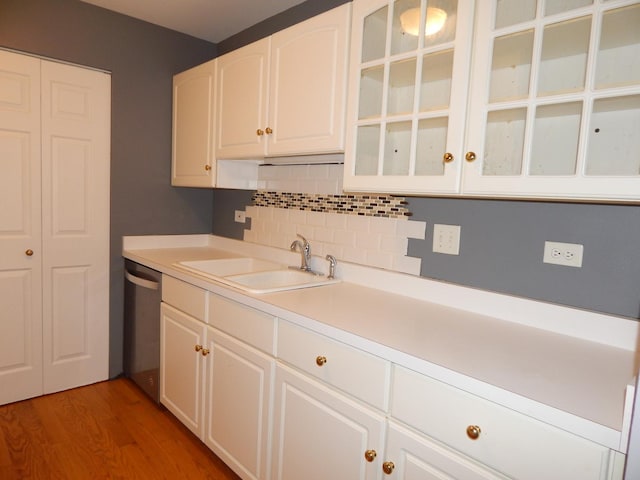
<point x="142" y="297"/>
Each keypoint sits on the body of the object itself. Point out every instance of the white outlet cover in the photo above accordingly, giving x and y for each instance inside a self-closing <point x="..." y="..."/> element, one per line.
<point x="240" y="216"/>
<point x="565" y="254"/>
<point x="446" y="239"/>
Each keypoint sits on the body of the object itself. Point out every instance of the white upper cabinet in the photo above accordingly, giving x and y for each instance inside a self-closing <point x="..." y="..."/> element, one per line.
<point x="286" y="94"/>
<point x="407" y="95"/>
<point x="553" y="100"/>
<point x="192" y="156"/>
<point x="555" y="109"/>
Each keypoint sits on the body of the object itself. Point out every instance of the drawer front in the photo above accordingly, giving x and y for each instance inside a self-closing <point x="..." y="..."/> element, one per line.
<point x="358" y="373"/>
<point x="185" y="297"/>
<point x="245" y="323"/>
<point x="510" y="442"/>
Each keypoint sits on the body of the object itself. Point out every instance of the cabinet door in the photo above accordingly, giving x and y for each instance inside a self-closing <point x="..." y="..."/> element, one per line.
<point x="242" y="88"/>
<point x="20" y="229"/>
<point x="409" y="456"/>
<point x="307" y="100"/>
<point x="239" y="385"/>
<point x="182" y="367"/>
<point x="193" y="159"/>
<point x="320" y="434"/>
<point x="407" y="95"/>
<point x="555" y="100"/>
<point x="76" y="128"/>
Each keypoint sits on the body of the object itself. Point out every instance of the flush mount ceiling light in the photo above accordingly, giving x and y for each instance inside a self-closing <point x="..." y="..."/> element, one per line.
<point x="410" y="21"/>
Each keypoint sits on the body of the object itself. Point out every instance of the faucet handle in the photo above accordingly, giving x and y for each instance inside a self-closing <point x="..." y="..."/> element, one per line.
<point x="332" y="266"/>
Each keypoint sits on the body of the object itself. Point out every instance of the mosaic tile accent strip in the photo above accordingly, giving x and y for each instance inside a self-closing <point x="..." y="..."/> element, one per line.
<point x="364" y="205"/>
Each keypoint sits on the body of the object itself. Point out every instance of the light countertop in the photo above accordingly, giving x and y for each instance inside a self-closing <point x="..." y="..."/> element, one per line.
<point x="574" y="383"/>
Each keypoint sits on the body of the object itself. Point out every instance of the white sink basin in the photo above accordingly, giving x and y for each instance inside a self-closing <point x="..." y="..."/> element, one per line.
<point x="255" y="276"/>
<point x="222" y="267"/>
<point x="277" y="281"/>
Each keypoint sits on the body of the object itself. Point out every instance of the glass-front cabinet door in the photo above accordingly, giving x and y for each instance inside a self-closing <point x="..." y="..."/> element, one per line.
<point x="555" y="100"/>
<point x="408" y="86"/>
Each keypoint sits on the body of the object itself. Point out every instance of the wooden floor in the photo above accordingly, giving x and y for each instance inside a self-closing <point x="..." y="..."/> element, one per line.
<point x="107" y="430"/>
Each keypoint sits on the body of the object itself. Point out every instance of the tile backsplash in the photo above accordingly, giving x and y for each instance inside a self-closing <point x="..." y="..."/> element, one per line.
<point x="366" y="229"/>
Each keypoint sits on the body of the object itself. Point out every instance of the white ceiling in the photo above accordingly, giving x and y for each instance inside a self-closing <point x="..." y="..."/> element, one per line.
<point x="212" y="20"/>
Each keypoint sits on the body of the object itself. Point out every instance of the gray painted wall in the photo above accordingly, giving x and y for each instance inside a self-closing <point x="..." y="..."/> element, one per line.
<point x="143" y="59"/>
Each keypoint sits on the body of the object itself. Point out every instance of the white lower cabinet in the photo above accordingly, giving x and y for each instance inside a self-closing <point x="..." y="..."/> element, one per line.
<point x="219" y="386"/>
<point x="182" y="367"/>
<point x="239" y="380"/>
<point x="321" y="434"/>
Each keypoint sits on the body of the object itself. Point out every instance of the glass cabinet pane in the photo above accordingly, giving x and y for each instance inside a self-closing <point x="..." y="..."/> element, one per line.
<point x="555" y="139"/>
<point x="614" y="143"/>
<point x="371" y="88"/>
<point x="504" y="142"/>
<point x="367" y="150"/>
<point x="618" y="60"/>
<point x="563" y="62"/>
<point x="551" y="7"/>
<point x="397" y="149"/>
<point x="511" y="66"/>
<point x="431" y="147"/>
<point x="402" y="80"/>
<point x="435" y="88"/>
<point x="374" y="35"/>
<point x="440" y="24"/>
<point x="406" y="26"/>
<point x="512" y="12"/>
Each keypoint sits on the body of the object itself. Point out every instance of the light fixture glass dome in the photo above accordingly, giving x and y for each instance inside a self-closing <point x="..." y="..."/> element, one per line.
<point x="410" y="21"/>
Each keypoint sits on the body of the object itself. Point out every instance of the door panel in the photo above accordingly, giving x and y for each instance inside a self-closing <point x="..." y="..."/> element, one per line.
<point x="20" y="273"/>
<point x="75" y="221"/>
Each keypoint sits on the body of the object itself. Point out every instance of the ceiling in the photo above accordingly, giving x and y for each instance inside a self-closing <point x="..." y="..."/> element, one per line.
<point x="212" y="20"/>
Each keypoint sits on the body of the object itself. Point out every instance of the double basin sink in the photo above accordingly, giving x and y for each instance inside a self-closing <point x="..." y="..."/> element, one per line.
<point x="254" y="275"/>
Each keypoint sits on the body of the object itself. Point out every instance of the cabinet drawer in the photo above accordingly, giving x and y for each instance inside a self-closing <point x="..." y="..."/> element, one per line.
<point x="245" y="323"/>
<point x="508" y="441"/>
<point x="183" y="296"/>
<point x="358" y="373"/>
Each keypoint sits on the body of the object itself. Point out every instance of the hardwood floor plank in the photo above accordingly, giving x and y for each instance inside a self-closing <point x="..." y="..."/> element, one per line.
<point x="109" y="430"/>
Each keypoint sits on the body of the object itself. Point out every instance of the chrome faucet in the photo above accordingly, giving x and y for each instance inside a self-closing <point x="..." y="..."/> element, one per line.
<point x="305" y="252"/>
<point x="332" y="266"/>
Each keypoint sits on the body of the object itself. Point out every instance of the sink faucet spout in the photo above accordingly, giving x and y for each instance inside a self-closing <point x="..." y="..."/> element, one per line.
<point x="305" y="252"/>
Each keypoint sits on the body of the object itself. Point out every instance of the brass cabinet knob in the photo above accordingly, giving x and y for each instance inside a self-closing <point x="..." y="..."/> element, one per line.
<point x="268" y="131"/>
<point x="470" y="156"/>
<point x="29" y="253"/>
<point x="205" y="352"/>
<point x="198" y="348"/>
<point x="370" y="455"/>
<point x="387" y="467"/>
<point x="259" y="132"/>
<point x="321" y="360"/>
<point x="447" y="157"/>
<point x="473" y="432"/>
<point x="207" y="167"/>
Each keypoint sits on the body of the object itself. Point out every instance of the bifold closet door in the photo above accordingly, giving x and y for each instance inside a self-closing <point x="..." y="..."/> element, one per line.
<point x="75" y="225"/>
<point x="20" y="236"/>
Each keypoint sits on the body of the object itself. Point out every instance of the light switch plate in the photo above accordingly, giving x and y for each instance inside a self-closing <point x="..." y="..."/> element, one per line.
<point x="446" y="239"/>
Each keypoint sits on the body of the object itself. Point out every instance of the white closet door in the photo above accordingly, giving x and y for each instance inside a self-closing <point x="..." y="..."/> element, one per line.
<point x="20" y="273"/>
<point x="75" y="225"/>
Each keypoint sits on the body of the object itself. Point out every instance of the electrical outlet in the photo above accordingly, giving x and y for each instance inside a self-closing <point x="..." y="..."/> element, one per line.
<point x="567" y="254"/>
<point x="446" y="239"/>
<point x="240" y="216"/>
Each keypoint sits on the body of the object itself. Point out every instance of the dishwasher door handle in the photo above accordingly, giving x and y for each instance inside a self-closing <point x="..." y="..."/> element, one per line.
<point x="142" y="282"/>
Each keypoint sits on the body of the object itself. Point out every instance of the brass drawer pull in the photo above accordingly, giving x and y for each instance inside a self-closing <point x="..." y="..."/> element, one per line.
<point x="387" y="467"/>
<point x="473" y="432"/>
<point x="321" y="360"/>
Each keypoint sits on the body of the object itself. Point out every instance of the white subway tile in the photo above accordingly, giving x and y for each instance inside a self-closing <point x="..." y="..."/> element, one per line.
<point x="336" y="220"/>
<point x="404" y="264"/>
<point x="368" y="241"/>
<point x="346" y="238"/>
<point x="323" y="234"/>
<point x="379" y="259"/>
<point x="355" y="255"/>
<point x="393" y="244"/>
<point x="316" y="219"/>
<point x="297" y="217"/>
<point x="358" y="223"/>
<point x="383" y="225"/>
<point x="412" y="229"/>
